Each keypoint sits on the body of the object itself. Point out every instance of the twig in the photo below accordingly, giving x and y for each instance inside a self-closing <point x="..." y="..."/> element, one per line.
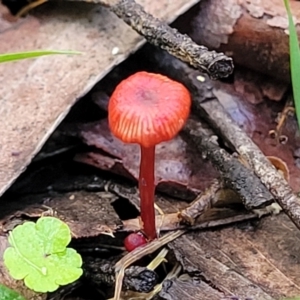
<point x="185" y="219"/>
<point x="229" y="220"/>
<point x="203" y="202"/>
<point x="220" y="217"/>
<point x="235" y="175"/>
<point x="160" y="34"/>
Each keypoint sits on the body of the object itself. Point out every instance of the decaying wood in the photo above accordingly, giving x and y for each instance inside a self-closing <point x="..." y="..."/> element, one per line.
<point x="37" y="94"/>
<point x="214" y="272"/>
<point x="254" y="33"/>
<point x="189" y="288"/>
<point x="86" y="213"/>
<point x="249" y="261"/>
<point x="235" y="175"/>
<point x="101" y="272"/>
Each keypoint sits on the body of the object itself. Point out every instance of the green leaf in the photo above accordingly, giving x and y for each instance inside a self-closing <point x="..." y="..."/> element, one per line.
<point x="31" y="54"/>
<point x="294" y="60"/>
<point x="38" y="254"/>
<point x="8" y="294"/>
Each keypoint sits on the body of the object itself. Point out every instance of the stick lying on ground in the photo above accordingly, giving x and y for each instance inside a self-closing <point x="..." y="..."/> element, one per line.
<point x="158" y="33"/>
<point x="234" y="174"/>
<point x="216" y="195"/>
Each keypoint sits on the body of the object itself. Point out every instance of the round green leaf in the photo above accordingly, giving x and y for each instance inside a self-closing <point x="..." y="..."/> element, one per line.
<point x="56" y="234"/>
<point x="38" y="254"/>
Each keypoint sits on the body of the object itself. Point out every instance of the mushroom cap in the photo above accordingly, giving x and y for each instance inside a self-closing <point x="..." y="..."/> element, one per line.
<point x="148" y="108"/>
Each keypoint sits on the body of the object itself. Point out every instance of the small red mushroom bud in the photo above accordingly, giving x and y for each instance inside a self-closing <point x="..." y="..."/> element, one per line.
<point x="134" y="240"/>
<point x="148" y="109"/>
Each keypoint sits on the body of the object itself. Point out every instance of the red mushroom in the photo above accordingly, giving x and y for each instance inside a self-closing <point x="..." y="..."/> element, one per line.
<point x="147" y="109"/>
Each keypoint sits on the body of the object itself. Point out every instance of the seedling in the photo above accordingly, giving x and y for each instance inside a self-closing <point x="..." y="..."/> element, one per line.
<point x="38" y="254"/>
<point x="148" y="109"/>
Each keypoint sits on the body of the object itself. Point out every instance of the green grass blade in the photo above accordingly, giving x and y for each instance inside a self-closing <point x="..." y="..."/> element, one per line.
<point x="294" y="60"/>
<point x="31" y="54"/>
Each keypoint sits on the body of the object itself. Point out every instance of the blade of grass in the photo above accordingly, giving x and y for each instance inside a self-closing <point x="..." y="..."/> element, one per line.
<point x="31" y="54"/>
<point x="294" y="60"/>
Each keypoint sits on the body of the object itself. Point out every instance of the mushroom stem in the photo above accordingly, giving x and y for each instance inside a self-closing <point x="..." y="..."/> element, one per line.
<point x="147" y="190"/>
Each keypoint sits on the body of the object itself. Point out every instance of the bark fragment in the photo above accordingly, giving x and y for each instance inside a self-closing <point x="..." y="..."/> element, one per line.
<point x="252" y="260"/>
<point x="188" y="288"/>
